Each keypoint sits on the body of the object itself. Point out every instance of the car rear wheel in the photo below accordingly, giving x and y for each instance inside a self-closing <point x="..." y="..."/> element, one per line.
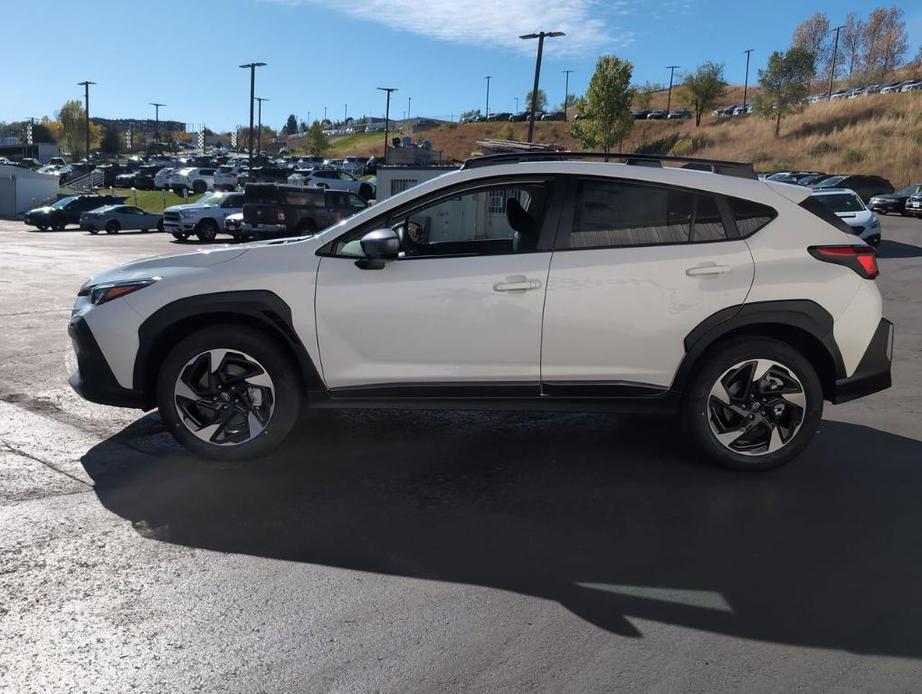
<point x="207" y="230"/>
<point x="180" y="237"/>
<point x="754" y="405"/>
<point x="113" y="227"/>
<point x="228" y="393"/>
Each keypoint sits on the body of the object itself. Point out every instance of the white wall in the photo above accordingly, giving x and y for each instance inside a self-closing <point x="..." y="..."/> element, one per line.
<point x="31" y="189"/>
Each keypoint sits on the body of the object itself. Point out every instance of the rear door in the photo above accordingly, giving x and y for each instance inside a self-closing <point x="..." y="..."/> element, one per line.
<point x="636" y="267"/>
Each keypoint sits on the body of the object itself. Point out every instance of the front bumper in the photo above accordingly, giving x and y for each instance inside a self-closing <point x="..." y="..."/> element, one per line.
<point x="886" y="206"/>
<point x="873" y="372"/>
<point x="93" y="379"/>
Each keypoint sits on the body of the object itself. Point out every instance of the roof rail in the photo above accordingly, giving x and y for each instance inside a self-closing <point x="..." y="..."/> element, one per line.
<point x="727" y="168"/>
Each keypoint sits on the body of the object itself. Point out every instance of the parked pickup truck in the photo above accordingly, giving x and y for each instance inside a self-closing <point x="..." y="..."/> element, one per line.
<point x="203" y="218"/>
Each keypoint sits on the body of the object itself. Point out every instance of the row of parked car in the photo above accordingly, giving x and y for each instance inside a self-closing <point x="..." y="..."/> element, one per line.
<point x="520" y="117"/>
<point x="660" y="114"/>
<point x="910" y="85"/>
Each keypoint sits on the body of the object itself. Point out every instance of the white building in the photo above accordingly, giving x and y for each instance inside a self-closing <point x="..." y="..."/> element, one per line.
<point x="22" y="189"/>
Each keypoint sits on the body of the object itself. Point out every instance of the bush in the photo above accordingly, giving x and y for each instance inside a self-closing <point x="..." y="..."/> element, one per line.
<point x="853" y="156"/>
<point x="822" y="147"/>
<point x="760" y="156"/>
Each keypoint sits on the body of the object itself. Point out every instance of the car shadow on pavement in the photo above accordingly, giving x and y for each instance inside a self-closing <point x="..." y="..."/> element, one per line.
<point x="898" y="249"/>
<point x="606" y="515"/>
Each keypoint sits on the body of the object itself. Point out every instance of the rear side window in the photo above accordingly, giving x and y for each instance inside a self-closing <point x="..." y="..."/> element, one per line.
<point x="612" y="214"/>
<point x="261" y="195"/>
<point x="813" y="205"/>
<point x="750" y="216"/>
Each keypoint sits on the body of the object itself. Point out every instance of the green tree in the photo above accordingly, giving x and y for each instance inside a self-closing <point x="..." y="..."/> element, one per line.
<point x="71" y="128"/>
<point x="812" y="35"/>
<point x="703" y="88"/>
<point x="291" y="125"/>
<point x="111" y="140"/>
<point x="606" y="108"/>
<point x="540" y="103"/>
<point x="785" y="84"/>
<point x="317" y="143"/>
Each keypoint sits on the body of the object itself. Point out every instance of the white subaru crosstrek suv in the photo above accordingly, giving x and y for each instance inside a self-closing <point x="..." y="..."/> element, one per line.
<point x="518" y="282"/>
<point x="848" y="206"/>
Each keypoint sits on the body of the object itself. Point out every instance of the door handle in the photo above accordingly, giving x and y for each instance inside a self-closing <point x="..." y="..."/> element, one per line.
<point x="516" y="283"/>
<point x="708" y="270"/>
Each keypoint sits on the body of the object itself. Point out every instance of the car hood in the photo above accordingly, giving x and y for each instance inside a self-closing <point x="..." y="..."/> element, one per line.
<point x="40" y="210"/>
<point x="189" y="206"/>
<point x="856" y="218"/>
<point x="165" y="265"/>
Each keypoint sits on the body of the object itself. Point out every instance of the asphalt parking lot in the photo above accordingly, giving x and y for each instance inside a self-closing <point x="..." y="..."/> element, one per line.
<point x="419" y="552"/>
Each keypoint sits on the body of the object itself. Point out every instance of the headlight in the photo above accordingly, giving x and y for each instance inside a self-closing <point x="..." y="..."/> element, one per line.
<point x="101" y="293"/>
<point x="186" y="213"/>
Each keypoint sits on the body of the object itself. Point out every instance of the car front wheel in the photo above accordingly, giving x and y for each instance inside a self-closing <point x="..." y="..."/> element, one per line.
<point x="228" y="393"/>
<point x="754" y="405"/>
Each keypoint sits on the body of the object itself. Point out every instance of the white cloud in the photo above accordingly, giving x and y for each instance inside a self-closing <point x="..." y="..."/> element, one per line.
<point x="587" y="23"/>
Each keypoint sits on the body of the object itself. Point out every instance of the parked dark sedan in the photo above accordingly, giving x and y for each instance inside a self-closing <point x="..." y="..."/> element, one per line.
<point x="894" y="202"/>
<point x="67" y="210"/>
<point x="866" y="186"/>
<point x="657" y="114"/>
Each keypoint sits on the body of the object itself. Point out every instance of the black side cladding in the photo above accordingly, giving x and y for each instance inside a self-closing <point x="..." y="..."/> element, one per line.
<point x="817" y="208"/>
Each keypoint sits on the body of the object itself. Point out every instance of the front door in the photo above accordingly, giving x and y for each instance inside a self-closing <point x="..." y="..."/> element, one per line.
<point x="457" y="315"/>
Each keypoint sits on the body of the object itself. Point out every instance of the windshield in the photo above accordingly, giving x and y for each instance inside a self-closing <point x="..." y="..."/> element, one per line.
<point x="211" y="199"/>
<point x="842" y="202"/>
<point x="911" y="189"/>
<point x="832" y="182"/>
<point x="63" y="202"/>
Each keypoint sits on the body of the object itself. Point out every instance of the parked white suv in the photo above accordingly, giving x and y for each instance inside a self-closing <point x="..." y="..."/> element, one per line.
<point x="523" y="282"/>
<point x="334" y="179"/>
<point x="204" y="217"/>
<point x="848" y="206"/>
<point x="225" y="177"/>
<point x="194" y="180"/>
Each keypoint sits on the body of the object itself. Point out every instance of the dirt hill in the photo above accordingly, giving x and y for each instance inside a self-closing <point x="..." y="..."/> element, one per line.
<point x="878" y="134"/>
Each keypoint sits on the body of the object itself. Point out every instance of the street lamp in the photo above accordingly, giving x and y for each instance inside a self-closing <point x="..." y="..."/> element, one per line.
<point x="672" y="69"/>
<point x="259" y="128"/>
<point x="252" y="67"/>
<point x="748" y="51"/>
<point x="488" y="78"/>
<point x="387" y="116"/>
<point x="86" y="87"/>
<point x="156" y="120"/>
<point x="566" y="92"/>
<point x="541" y="35"/>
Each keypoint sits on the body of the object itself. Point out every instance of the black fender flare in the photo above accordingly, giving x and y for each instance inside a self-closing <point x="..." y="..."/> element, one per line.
<point x="173" y="321"/>
<point x="801" y="315"/>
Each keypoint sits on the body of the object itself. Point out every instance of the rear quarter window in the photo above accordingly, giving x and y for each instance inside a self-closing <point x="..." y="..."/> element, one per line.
<point x="814" y="206"/>
<point x="750" y="216"/>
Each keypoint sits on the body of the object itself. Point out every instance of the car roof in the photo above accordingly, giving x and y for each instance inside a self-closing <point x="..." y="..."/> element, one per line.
<point x="834" y="191"/>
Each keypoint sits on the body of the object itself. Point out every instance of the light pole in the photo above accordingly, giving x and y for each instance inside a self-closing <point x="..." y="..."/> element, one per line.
<point x="387" y="116"/>
<point x="324" y="113"/>
<point x="487" y="114"/>
<point x="345" y="113"/>
<point x="541" y="35"/>
<point x="156" y="120"/>
<point x="566" y="92"/>
<point x="252" y="67"/>
<point x="672" y="69"/>
<point x="409" y="103"/>
<point x="748" y="51"/>
<point x="259" y="128"/>
<point x="516" y="104"/>
<point x="832" y="68"/>
<point x="86" y="95"/>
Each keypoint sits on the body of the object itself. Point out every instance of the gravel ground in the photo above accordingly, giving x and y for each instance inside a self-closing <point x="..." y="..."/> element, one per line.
<point x="420" y="552"/>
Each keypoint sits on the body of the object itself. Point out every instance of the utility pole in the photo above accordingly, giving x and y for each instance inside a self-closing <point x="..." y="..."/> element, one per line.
<point x="832" y="68"/>
<point x="252" y="67"/>
<point x="746" y="83"/>
<point x="156" y="120"/>
<point x="345" y="113"/>
<point x="86" y="95"/>
<point x="259" y="128"/>
<point x="672" y="69"/>
<point x="387" y="116"/>
<point x="487" y="114"/>
<point x="409" y="101"/>
<point x="566" y="92"/>
<point x="516" y="104"/>
<point x="541" y="35"/>
<point x="324" y="113"/>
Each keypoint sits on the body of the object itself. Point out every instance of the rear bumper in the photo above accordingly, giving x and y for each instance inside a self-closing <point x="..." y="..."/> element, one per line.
<point x="873" y="372"/>
<point x="93" y="379"/>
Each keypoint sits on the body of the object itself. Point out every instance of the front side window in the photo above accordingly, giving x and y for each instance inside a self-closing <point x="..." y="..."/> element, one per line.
<point x="611" y="214"/>
<point x="487" y="221"/>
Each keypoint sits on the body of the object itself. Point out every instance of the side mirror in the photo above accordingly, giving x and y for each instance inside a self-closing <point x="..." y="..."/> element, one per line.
<point x="379" y="246"/>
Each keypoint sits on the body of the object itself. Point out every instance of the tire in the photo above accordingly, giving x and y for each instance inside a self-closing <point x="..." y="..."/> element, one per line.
<point x="190" y="410"/>
<point x="93" y="231"/>
<point x="160" y="226"/>
<point x="306" y="228"/>
<point x="207" y="230"/>
<point x="113" y="227"/>
<point x="199" y="187"/>
<point x="59" y="227"/>
<point x="365" y="192"/>
<point x="180" y="237"/>
<point x="773" y="433"/>
<point x="41" y="227"/>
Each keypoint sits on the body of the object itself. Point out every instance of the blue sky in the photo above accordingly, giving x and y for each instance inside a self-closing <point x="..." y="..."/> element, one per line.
<point x="328" y="53"/>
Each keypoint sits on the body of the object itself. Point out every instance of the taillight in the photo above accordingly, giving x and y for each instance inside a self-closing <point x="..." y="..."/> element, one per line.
<point x="861" y="259"/>
<point x="280" y="214"/>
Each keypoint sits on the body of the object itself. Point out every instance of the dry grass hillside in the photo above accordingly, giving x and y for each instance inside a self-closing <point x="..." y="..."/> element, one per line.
<point x="878" y="134"/>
